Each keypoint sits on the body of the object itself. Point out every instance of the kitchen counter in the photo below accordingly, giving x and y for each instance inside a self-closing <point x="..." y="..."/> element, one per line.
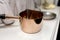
<point x="48" y="31"/>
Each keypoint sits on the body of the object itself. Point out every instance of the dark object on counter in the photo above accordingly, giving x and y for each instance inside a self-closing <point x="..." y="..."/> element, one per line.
<point x="58" y="2"/>
<point x="2" y="16"/>
<point x="58" y="35"/>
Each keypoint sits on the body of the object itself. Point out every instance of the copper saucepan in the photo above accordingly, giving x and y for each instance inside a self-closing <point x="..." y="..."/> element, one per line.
<point x="30" y="20"/>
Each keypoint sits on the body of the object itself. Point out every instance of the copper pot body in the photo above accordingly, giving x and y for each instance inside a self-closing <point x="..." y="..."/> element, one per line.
<point x="31" y="24"/>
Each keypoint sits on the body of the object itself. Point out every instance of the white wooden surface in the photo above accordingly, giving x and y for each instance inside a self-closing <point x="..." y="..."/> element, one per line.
<point x="14" y="32"/>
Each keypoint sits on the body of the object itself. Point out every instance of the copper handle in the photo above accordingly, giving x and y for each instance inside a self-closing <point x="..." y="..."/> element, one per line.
<point x="13" y="17"/>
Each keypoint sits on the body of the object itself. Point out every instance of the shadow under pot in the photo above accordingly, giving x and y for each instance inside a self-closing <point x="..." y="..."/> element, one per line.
<point x="31" y="21"/>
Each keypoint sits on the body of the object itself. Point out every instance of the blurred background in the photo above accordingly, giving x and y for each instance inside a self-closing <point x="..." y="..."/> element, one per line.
<point x="14" y="7"/>
<point x="19" y="5"/>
